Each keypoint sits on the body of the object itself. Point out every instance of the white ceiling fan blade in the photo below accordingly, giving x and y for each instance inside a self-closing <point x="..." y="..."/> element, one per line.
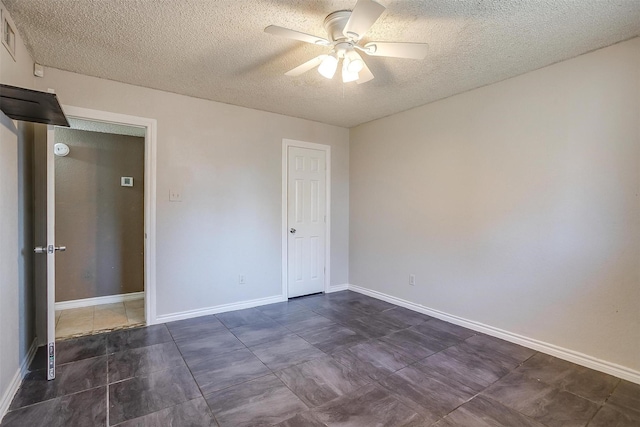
<point x="363" y="16"/>
<point x="397" y="50"/>
<point x="301" y="69"/>
<point x="365" y="74"/>
<point x="296" y="35"/>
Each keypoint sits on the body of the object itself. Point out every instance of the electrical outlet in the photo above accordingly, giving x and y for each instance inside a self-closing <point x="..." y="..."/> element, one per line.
<point x="175" y="196"/>
<point x="412" y="279"/>
<point x="241" y="279"/>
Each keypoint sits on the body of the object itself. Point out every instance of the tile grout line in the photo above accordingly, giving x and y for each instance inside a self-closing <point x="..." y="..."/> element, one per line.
<point x="536" y="379"/>
<point x="108" y="385"/>
<point x="156" y="371"/>
<point x="420" y="360"/>
<point x="485" y="388"/>
<point x="192" y="375"/>
<point x="416" y="361"/>
<point x="52" y="399"/>
<point x="604" y="402"/>
<point x="273" y="372"/>
<point x="372" y="382"/>
<point x="561" y="388"/>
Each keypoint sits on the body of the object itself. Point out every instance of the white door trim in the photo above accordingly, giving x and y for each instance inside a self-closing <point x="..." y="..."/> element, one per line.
<point x="150" y="144"/>
<point x="90" y="302"/>
<point x="286" y="143"/>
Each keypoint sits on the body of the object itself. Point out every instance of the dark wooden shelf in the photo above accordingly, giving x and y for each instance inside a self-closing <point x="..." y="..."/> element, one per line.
<point x="31" y="106"/>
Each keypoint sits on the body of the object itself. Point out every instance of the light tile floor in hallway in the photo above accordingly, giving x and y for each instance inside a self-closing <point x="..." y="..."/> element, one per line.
<point x="341" y="359"/>
<point x="106" y="317"/>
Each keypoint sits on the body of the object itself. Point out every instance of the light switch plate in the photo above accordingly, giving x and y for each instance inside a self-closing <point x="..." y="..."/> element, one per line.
<point x="126" y="181"/>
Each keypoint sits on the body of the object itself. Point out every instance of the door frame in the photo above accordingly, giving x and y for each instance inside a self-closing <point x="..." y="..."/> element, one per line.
<point x="286" y="143"/>
<point x="150" y="146"/>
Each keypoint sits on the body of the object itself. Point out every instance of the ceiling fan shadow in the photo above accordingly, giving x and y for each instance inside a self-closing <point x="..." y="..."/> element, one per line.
<point x="276" y="64"/>
<point x="308" y="7"/>
<point x="446" y="9"/>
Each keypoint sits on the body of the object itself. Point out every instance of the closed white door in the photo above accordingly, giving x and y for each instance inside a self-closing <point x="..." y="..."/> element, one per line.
<point x="306" y="214"/>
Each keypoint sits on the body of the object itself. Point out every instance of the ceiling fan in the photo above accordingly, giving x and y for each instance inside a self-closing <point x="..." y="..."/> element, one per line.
<point x="345" y="29"/>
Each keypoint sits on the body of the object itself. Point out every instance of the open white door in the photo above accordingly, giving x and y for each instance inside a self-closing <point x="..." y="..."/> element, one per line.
<point x="45" y="218"/>
<point x="306" y="218"/>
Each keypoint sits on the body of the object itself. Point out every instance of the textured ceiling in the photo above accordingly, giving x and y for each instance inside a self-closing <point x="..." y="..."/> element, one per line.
<point x="217" y="49"/>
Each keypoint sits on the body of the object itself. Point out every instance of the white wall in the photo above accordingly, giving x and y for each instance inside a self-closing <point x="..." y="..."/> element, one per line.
<point x="515" y="205"/>
<point x="226" y="161"/>
<point x="16" y="286"/>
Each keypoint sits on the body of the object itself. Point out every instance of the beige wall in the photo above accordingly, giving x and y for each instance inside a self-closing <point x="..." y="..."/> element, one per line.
<point x="227" y="162"/>
<point x="100" y="222"/>
<point x="16" y="248"/>
<point x="515" y="205"/>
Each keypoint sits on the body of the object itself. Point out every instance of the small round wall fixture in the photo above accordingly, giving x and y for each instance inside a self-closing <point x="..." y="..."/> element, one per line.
<point x="60" y="149"/>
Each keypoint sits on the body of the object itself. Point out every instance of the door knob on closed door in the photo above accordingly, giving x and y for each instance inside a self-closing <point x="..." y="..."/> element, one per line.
<point x="292" y="231"/>
<point x="60" y="248"/>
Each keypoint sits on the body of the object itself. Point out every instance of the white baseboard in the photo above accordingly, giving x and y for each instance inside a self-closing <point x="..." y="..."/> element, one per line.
<point x="219" y="309"/>
<point x="337" y="288"/>
<point x="88" y="302"/>
<point x="551" y="349"/>
<point x="10" y="392"/>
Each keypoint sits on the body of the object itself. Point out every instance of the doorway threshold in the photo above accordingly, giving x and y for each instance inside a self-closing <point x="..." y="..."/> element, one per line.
<point x="77" y="322"/>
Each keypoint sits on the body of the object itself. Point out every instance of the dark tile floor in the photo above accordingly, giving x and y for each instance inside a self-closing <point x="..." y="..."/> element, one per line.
<point x="339" y="359"/>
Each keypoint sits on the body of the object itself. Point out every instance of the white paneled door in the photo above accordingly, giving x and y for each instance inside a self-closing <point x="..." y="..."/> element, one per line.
<point x="306" y="220"/>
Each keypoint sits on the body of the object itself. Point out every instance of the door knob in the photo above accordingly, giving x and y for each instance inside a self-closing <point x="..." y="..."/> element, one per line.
<point x="48" y="249"/>
<point x="292" y="231"/>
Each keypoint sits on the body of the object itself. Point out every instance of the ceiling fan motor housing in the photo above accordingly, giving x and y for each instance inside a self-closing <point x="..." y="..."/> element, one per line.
<point x="334" y="24"/>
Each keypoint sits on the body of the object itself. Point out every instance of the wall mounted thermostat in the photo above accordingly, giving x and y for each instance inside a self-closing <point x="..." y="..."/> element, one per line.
<point x="126" y="181"/>
<point x="60" y="149"/>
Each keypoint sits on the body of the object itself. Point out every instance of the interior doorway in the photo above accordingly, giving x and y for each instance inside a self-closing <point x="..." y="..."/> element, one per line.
<point x="107" y="281"/>
<point x="99" y="210"/>
<point x="306" y="218"/>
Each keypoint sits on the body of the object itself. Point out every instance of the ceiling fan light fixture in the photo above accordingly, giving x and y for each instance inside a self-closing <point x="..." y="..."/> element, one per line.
<point x="328" y="66"/>
<point x="353" y="62"/>
<point x="348" y="76"/>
